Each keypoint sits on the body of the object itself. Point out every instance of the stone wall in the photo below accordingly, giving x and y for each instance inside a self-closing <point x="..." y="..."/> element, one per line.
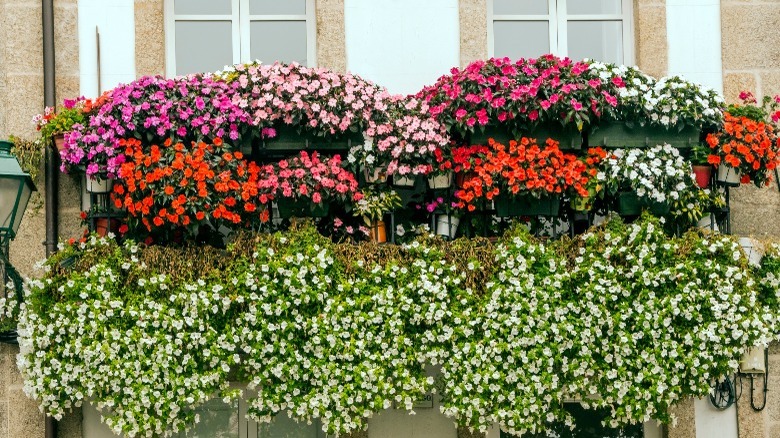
<point x="21" y="97"/>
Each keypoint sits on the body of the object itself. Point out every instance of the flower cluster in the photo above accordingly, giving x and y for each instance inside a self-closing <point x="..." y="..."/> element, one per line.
<point x="403" y="140"/>
<point x="659" y="175"/>
<point x="309" y="177"/>
<point x="175" y="186"/>
<point x="751" y="147"/>
<point x="624" y="318"/>
<point x="523" y="168"/>
<point x="315" y="100"/>
<point x="152" y="109"/>
<point x="520" y="95"/>
<point x="669" y="102"/>
<point x="73" y="112"/>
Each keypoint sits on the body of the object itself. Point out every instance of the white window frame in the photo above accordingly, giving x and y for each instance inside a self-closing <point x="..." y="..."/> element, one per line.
<point x="240" y="19"/>
<point x="558" y="19"/>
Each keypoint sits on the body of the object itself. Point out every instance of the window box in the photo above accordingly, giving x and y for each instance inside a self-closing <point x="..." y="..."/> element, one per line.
<point x="567" y="138"/>
<point x="629" y="204"/>
<point x="622" y="135"/>
<point x="507" y="206"/>
<point x="301" y="208"/>
<point x="289" y="140"/>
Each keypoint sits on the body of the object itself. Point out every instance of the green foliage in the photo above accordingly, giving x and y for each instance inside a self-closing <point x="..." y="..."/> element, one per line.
<point x="623" y="317"/>
<point x="29" y="153"/>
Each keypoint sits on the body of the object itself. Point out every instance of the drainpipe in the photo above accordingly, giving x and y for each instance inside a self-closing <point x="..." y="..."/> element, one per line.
<point x="52" y="168"/>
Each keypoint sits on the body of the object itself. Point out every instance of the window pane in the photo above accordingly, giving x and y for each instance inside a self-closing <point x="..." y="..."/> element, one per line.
<point x="203" y="46"/>
<point x="217" y="420"/>
<point x="520" y="7"/>
<point x="585" y="7"/>
<point x="284" y="41"/>
<point x="599" y="40"/>
<point x="520" y="39"/>
<point x="202" y="7"/>
<point x="276" y="7"/>
<point x="283" y="426"/>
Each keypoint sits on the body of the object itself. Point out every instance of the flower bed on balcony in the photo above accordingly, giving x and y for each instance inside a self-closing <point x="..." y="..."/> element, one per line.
<point x="629" y="317"/>
<point x="339" y="332"/>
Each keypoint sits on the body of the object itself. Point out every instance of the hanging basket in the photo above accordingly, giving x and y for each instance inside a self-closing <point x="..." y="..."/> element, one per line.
<point x="303" y="207"/>
<point x="508" y="206"/>
<point x="98" y="185"/>
<point x="621" y="135"/>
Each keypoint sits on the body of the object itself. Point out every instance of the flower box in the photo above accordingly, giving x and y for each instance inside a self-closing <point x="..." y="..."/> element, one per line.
<point x="566" y="138"/>
<point x="629" y="204"/>
<point x="288" y="139"/>
<point x="508" y="206"/>
<point x="301" y="208"/>
<point x="621" y="135"/>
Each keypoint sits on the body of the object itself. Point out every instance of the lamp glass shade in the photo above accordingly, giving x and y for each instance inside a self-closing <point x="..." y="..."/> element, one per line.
<point x="16" y="187"/>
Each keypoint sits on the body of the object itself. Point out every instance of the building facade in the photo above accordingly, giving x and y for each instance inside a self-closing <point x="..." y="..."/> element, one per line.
<point x="728" y="45"/>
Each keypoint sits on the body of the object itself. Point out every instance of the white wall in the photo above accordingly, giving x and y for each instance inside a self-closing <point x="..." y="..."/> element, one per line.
<point x="693" y="36"/>
<point x="711" y="422"/>
<point x="115" y="19"/>
<point x="425" y="423"/>
<point x="402" y="44"/>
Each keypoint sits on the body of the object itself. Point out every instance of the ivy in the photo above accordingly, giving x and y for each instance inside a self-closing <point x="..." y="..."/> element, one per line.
<point x="623" y="317"/>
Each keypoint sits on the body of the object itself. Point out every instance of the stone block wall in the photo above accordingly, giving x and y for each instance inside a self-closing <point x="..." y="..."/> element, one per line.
<point x="21" y="97"/>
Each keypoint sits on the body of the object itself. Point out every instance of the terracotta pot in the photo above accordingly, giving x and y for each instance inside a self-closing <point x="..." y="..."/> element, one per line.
<point x="703" y="173"/>
<point x="59" y="142"/>
<point x="461" y="178"/>
<point x="378" y="232"/>
<point x="103" y="225"/>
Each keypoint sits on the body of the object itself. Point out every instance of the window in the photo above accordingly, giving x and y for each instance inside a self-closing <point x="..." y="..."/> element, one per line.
<point x="588" y="424"/>
<point x="206" y="35"/>
<point x="597" y="29"/>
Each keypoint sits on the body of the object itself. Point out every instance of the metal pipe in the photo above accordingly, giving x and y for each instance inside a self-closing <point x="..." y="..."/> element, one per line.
<point x="51" y="170"/>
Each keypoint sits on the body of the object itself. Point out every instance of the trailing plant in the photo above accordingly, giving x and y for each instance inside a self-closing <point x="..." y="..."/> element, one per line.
<point x="624" y="318"/>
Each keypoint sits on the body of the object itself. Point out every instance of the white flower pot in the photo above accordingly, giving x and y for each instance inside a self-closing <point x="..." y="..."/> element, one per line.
<point x="95" y="185"/>
<point x="753" y="250"/>
<point x="447" y="225"/>
<point x="707" y="223"/>
<point x="729" y="175"/>
<point x="404" y="180"/>
<point x="440" y="181"/>
<point x="374" y="176"/>
<point x="752" y="361"/>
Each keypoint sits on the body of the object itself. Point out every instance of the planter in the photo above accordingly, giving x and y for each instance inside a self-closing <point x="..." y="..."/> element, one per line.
<point x="440" y="181"/>
<point x="59" y="142"/>
<point x="374" y="176"/>
<point x="753" y="361"/>
<point x="288" y="139"/>
<point x="404" y="180"/>
<point x="447" y="225"/>
<point x="508" y="206"/>
<point x="301" y="208"/>
<point x="104" y="225"/>
<point x="461" y="178"/>
<point x="703" y="174"/>
<point x="729" y="176"/>
<point x="378" y="232"/>
<point x="96" y="185"/>
<point x="629" y="204"/>
<point x="567" y="138"/>
<point x="621" y="135"/>
<point x="753" y="250"/>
